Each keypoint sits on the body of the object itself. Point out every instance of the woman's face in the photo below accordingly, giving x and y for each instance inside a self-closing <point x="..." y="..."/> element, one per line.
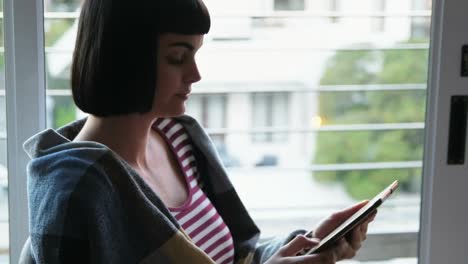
<point x="177" y="70"/>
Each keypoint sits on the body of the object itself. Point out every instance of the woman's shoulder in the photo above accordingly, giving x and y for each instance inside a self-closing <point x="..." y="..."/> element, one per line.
<point x="68" y="187"/>
<point x="187" y="120"/>
<point x="66" y="170"/>
<point x="69" y="167"/>
<point x="72" y="158"/>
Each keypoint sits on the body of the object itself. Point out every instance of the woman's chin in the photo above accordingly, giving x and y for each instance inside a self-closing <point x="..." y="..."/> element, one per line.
<point x="174" y="113"/>
<point x="170" y="111"/>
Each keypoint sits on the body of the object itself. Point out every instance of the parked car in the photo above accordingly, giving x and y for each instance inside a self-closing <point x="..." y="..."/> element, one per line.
<point x="227" y="159"/>
<point x="267" y="160"/>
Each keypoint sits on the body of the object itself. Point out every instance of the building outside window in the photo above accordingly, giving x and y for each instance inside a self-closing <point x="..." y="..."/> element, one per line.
<point x="289" y="5"/>
<point x="379" y="22"/>
<point x="210" y="111"/>
<point x="270" y="110"/>
<point x="421" y="26"/>
<point x="334" y="6"/>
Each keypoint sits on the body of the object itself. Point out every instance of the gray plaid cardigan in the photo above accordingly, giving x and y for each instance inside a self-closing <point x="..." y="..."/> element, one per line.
<point x="87" y="205"/>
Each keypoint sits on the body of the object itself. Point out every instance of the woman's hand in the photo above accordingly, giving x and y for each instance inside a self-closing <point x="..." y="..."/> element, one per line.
<point x="344" y="248"/>
<point x="287" y="253"/>
<point x="348" y="246"/>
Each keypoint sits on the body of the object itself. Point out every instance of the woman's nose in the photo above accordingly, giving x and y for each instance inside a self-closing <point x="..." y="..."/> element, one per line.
<point x="193" y="74"/>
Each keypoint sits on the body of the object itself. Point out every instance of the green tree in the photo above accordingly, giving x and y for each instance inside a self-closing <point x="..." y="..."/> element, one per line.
<point x="372" y="67"/>
<point x="64" y="111"/>
<point x="63" y="5"/>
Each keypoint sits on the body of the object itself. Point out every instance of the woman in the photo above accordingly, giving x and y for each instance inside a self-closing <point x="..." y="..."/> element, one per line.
<point x="137" y="181"/>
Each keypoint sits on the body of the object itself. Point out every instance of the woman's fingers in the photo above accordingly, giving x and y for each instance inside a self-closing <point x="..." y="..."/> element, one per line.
<point x="341" y="250"/>
<point x="296" y="245"/>
<point x="356" y="238"/>
<point x="335" y="219"/>
<point x="359" y="233"/>
<point x="327" y="257"/>
<point x="364" y="231"/>
<point x="345" y="250"/>
<point x="373" y="215"/>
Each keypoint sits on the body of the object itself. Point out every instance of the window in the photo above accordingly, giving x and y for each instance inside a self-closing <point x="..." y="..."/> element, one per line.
<point x="60" y="24"/>
<point x="325" y="118"/>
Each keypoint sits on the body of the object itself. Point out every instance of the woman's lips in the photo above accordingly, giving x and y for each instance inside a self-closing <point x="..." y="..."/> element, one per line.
<point x="184" y="96"/>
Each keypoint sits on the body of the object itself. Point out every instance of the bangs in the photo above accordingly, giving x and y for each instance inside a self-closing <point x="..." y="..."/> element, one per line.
<point x="183" y="17"/>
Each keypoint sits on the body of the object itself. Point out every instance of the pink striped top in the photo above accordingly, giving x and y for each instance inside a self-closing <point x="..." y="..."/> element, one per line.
<point x="197" y="215"/>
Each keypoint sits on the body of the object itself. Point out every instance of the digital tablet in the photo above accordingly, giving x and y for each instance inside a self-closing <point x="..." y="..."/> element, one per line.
<point x="356" y="219"/>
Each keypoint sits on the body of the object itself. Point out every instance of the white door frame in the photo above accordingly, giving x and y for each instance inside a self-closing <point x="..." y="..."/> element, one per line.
<point x="444" y="214"/>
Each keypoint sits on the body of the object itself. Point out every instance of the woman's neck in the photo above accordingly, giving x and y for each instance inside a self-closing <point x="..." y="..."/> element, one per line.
<point x="127" y="135"/>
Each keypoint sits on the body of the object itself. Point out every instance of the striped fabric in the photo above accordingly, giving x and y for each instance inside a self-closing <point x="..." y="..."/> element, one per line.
<point x="197" y="215"/>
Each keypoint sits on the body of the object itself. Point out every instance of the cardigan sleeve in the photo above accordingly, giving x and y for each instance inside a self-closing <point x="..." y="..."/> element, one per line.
<point x="63" y="196"/>
<point x="59" y="228"/>
<point x="266" y="249"/>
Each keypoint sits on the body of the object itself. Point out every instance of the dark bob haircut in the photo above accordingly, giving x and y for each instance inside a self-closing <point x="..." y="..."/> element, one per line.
<point x="115" y="59"/>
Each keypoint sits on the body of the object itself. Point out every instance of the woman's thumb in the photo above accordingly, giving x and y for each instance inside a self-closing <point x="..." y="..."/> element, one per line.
<point x="298" y="244"/>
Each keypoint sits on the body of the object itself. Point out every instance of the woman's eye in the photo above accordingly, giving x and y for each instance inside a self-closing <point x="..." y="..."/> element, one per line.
<point x="175" y="60"/>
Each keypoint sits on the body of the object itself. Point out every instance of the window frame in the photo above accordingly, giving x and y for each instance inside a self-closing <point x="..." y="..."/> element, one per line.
<point x="25" y="105"/>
